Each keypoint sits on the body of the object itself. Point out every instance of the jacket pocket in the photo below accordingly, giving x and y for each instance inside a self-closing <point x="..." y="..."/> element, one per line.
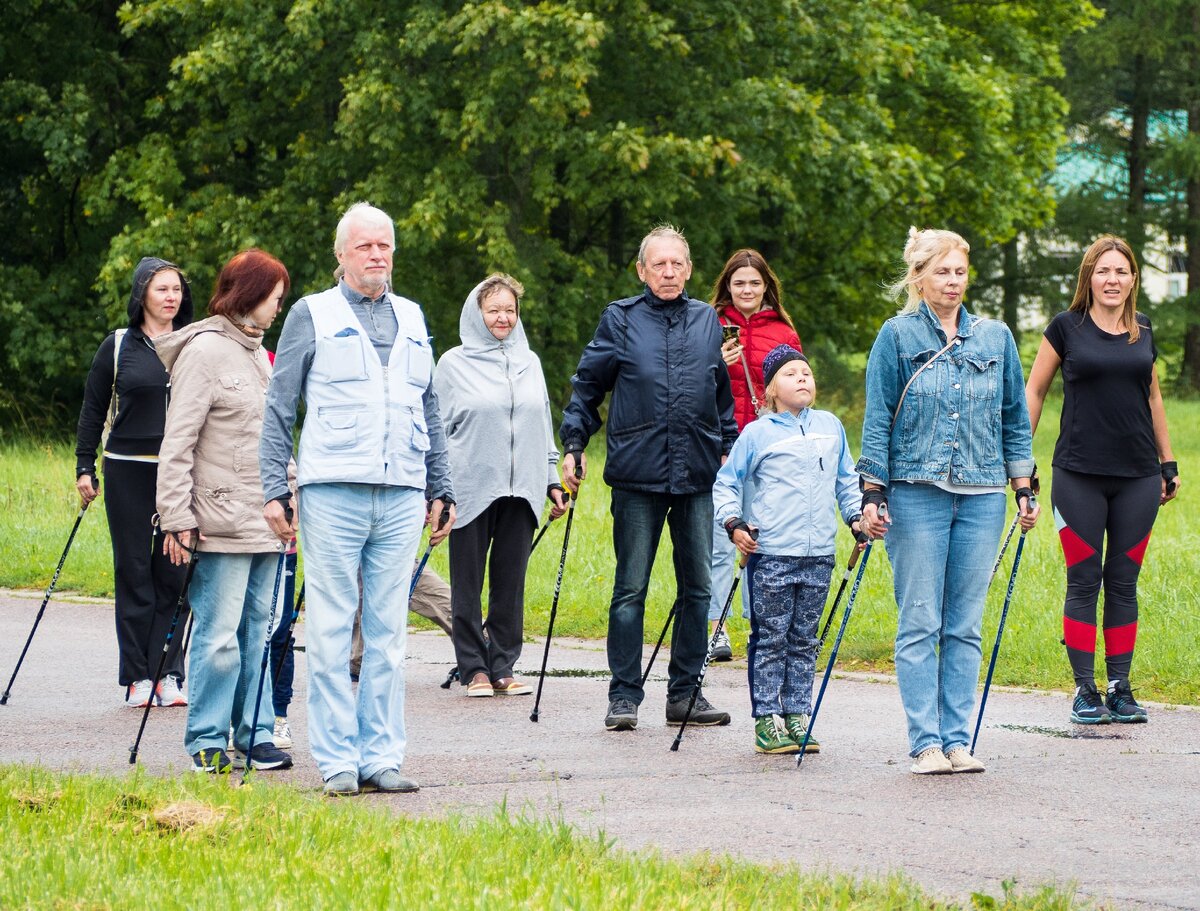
<point x="216" y="511"/>
<point x="344" y="359"/>
<point x="420" y="361"/>
<point x="339" y="426"/>
<point x="981" y="376"/>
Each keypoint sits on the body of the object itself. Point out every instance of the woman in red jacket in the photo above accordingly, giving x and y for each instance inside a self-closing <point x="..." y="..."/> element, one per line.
<point x="749" y="305"/>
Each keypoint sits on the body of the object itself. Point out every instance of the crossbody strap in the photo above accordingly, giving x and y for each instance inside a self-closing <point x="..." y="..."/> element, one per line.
<point x="928" y="363"/>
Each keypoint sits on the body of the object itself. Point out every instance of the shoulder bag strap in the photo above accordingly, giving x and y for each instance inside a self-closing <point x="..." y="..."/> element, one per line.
<point x="928" y="363"/>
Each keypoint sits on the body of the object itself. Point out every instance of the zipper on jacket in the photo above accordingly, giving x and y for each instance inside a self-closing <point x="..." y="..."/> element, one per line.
<point x="512" y="425"/>
<point x="387" y="412"/>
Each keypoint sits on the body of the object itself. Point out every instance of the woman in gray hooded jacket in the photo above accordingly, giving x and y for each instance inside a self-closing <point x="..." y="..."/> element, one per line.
<point x="496" y="411"/>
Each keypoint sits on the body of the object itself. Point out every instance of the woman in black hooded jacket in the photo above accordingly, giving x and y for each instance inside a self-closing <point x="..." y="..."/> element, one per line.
<point x="147" y="584"/>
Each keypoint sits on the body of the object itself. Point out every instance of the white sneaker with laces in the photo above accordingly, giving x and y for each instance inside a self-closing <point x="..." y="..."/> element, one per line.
<point x="169" y="692"/>
<point x="283" y="733"/>
<point x="139" y="693"/>
<point x="961" y="760"/>
<point x="932" y="761"/>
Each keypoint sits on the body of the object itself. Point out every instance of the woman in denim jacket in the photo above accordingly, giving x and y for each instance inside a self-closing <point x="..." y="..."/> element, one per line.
<point x="945" y="427"/>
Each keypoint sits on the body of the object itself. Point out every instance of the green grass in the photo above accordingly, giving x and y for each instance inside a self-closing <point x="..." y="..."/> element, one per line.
<point x="81" y="841"/>
<point x="38" y="505"/>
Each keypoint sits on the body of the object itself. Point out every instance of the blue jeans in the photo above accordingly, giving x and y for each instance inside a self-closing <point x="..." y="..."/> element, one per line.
<point x="942" y="547"/>
<point x="345" y="529"/>
<point x="637" y="527"/>
<point x="231" y="598"/>
<point x="724" y="560"/>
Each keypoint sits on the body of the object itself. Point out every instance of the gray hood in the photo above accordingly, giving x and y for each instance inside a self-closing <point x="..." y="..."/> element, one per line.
<point x="146" y="270"/>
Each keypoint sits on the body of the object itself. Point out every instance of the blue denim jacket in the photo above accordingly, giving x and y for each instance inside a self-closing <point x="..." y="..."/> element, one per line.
<point x="963" y="420"/>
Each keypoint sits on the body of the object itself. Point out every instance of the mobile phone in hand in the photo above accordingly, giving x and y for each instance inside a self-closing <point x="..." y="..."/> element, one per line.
<point x="730" y="333"/>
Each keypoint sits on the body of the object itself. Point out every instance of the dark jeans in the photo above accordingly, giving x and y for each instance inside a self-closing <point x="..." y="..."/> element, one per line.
<point x="145" y="582"/>
<point x="283" y="661"/>
<point x="637" y="527"/>
<point x="505" y="529"/>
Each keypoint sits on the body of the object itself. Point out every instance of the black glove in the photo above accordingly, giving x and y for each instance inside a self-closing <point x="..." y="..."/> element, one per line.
<point x="876" y="496"/>
<point x="1024" y="493"/>
<point x="734" y="524"/>
<point x="1170" y="471"/>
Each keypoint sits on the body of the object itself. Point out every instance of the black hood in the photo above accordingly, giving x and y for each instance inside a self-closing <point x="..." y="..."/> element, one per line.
<point x="146" y="270"/>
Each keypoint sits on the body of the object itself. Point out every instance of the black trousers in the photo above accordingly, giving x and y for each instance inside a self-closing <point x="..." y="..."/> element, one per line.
<point x="1104" y="527"/>
<point x="506" y="529"/>
<point x="147" y="584"/>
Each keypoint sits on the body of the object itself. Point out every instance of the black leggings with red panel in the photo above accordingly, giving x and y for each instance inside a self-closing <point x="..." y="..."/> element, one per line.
<point x="1091" y="511"/>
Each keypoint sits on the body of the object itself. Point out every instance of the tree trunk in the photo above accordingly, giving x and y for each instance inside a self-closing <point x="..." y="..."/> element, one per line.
<point x="1136" y="155"/>
<point x="1189" y="371"/>
<point x="1010" y="287"/>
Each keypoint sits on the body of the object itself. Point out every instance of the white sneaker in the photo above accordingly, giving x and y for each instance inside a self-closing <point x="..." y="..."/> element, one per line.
<point x="932" y="762"/>
<point x="169" y="692"/>
<point x="283" y="733"/>
<point x="722" y="648"/>
<point x="139" y="693"/>
<point x="961" y="760"/>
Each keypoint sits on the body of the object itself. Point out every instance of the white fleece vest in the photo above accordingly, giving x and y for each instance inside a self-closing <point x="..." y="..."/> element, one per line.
<point x="365" y="422"/>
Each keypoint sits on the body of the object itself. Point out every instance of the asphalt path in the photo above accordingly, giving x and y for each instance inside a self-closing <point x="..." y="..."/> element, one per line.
<point x="1110" y="811"/>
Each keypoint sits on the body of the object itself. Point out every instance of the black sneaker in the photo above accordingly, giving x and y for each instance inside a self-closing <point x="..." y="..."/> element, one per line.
<point x="703" y="712"/>
<point x="1088" y="707"/>
<point x="264" y="756"/>
<point x="213" y="760"/>
<point x="1122" y="706"/>
<point x="622" y="715"/>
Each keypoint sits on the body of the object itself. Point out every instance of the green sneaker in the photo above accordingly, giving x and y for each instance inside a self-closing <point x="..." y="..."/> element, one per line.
<point x="797" y="725"/>
<point x="771" y="736"/>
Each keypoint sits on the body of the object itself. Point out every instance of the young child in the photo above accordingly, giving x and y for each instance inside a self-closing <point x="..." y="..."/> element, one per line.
<point x="785" y="476"/>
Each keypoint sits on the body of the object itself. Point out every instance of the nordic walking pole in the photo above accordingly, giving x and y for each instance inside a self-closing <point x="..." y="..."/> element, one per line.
<point x="1012" y="578"/>
<point x="416" y="576"/>
<point x="854" y="555"/>
<point x="193" y="559"/>
<point x="573" y="498"/>
<point x="1035" y="485"/>
<point x="541" y="531"/>
<point x="45" y="601"/>
<point x="266" y="655"/>
<point x="711" y="645"/>
<point x="658" y="645"/>
<point x="837" y="643"/>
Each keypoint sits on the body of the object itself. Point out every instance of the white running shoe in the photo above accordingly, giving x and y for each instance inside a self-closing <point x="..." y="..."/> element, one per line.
<point x="283" y="733"/>
<point x="139" y="693"/>
<point x="169" y="692"/>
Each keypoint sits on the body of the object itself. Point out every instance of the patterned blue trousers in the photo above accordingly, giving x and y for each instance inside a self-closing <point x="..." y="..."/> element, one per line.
<point x="787" y="596"/>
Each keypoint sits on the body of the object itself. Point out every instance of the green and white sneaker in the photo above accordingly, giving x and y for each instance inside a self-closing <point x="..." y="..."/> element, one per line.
<point x="771" y="736"/>
<point x="797" y="725"/>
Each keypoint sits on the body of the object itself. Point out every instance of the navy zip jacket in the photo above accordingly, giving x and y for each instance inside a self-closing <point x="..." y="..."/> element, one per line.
<point x="671" y="415"/>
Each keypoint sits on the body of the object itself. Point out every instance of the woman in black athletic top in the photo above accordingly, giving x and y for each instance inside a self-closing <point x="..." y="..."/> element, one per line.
<point x="1113" y="467"/>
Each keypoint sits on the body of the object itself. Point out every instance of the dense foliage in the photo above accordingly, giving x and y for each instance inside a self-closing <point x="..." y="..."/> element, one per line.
<point x="539" y="138"/>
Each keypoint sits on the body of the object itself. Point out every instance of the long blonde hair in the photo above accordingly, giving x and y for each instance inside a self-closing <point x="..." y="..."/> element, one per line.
<point x="1082" y="301"/>
<point x="923" y="251"/>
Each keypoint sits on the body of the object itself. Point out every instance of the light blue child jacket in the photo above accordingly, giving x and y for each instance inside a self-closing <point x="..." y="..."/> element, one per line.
<point x="787" y="475"/>
<point x="964" y="419"/>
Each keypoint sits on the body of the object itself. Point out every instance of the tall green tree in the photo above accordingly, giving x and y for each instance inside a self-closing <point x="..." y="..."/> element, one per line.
<point x="544" y="139"/>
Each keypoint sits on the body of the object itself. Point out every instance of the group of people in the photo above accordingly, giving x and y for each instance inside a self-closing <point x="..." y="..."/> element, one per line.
<point x="711" y="430"/>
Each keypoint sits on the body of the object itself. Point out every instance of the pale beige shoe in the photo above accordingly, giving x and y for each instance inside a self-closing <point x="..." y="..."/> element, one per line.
<point x="962" y="761"/>
<point x="932" y="762"/>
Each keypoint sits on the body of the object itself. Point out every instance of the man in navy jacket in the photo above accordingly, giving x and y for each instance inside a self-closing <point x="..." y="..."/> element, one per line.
<point x="670" y="426"/>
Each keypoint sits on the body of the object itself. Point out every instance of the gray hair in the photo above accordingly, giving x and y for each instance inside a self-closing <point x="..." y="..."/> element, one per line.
<point x="924" y="250"/>
<point x="358" y="213"/>
<point x="494" y="283"/>
<point x="664" y="232"/>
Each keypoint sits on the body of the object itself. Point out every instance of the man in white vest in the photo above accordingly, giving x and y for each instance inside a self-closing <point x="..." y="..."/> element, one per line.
<point x="372" y="471"/>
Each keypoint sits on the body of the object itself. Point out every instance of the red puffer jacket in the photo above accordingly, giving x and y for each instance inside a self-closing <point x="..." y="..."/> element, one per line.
<point x="759" y="334"/>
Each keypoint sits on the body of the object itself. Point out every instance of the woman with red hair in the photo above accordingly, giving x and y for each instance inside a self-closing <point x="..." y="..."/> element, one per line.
<point x="210" y="504"/>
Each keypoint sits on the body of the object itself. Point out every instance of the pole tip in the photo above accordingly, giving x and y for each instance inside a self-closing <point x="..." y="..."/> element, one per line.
<point x="533" y="716"/>
<point x="675" y="747"/>
<point x="4" y="699"/>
